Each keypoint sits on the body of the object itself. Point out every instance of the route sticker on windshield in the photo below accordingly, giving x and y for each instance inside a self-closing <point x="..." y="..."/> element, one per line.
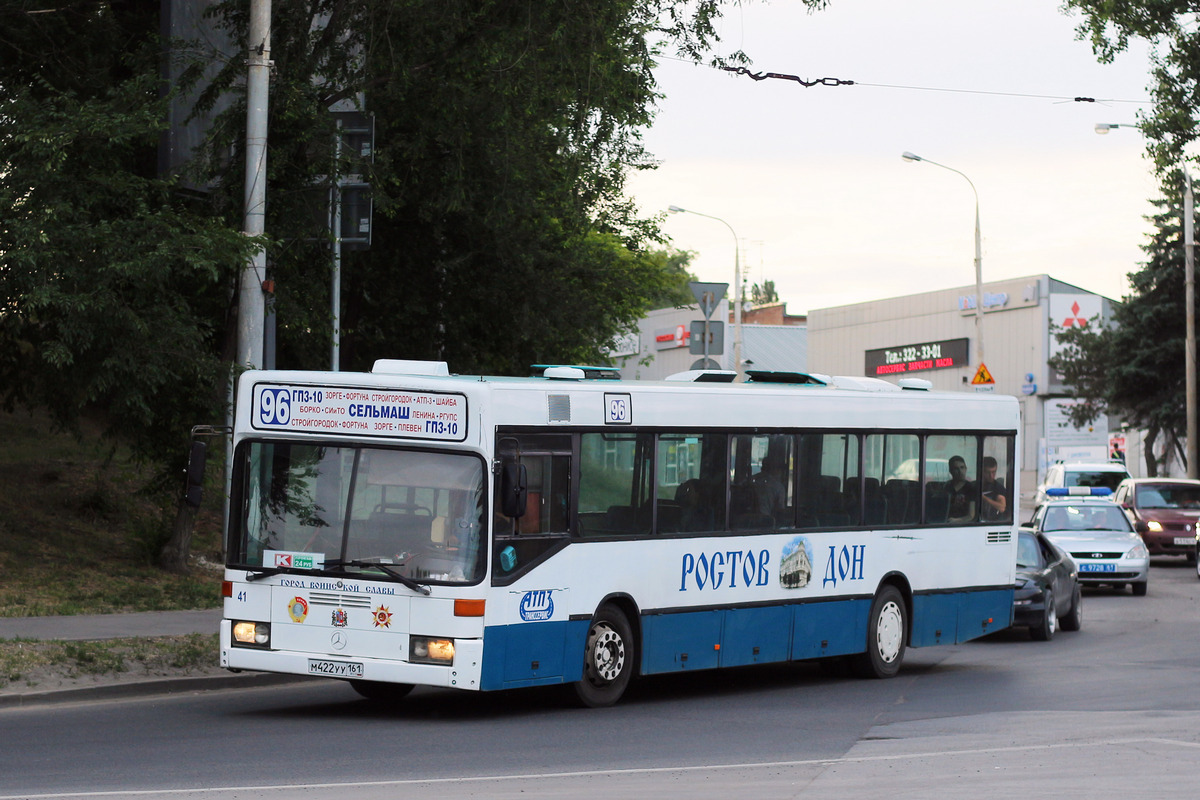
<point x="360" y="412"/>
<point x="293" y="559"/>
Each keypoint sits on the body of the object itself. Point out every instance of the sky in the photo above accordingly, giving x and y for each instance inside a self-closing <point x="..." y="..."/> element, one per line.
<point x="810" y="180"/>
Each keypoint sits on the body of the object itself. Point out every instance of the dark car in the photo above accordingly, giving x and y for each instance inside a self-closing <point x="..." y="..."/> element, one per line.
<point x="1164" y="511"/>
<point x="1046" y="592"/>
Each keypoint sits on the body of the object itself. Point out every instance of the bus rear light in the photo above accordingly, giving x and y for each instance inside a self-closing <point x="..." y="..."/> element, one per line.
<point x="428" y="650"/>
<point x="468" y="608"/>
<point x="226" y="588"/>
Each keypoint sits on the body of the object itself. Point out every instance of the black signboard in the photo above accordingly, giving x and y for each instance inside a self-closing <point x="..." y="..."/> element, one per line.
<point x="916" y="358"/>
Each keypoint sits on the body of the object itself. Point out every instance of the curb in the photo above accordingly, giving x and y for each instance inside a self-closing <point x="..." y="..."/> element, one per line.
<point x="152" y="687"/>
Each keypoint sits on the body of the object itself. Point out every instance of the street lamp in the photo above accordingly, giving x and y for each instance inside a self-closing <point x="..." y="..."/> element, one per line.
<point x="737" y="283"/>
<point x="978" y="256"/>
<point x="1189" y="281"/>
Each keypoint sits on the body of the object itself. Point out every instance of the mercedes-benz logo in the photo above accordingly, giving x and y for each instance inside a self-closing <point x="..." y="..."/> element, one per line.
<point x="338" y="640"/>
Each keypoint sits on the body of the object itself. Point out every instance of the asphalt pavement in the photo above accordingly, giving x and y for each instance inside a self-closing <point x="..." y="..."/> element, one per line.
<point x="93" y="627"/>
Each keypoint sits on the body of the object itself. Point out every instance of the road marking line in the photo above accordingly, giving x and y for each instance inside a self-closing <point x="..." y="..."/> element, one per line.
<point x="614" y="772"/>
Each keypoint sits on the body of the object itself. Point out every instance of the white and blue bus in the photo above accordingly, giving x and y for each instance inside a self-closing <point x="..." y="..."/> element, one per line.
<point x="410" y="527"/>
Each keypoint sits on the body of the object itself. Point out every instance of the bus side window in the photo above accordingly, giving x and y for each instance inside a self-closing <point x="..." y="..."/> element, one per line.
<point x="690" y="482"/>
<point x="543" y="524"/>
<point x="614" y="484"/>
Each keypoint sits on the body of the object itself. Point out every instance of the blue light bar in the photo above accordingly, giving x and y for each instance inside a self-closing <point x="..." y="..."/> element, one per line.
<point x="1079" y="491"/>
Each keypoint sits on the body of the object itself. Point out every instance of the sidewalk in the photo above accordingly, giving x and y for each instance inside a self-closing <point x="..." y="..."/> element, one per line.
<point x="128" y="684"/>
<point x="111" y="626"/>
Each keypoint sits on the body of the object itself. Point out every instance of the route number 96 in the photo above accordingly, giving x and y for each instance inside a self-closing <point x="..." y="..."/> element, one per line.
<point x="275" y="407"/>
<point x="618" y="409"/>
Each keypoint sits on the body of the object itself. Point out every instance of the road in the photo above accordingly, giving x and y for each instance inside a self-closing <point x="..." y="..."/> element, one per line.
<point x="1113" y="710"/>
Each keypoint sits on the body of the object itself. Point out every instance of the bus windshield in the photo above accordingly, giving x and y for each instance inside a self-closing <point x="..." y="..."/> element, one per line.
<point x="417" y="514"/>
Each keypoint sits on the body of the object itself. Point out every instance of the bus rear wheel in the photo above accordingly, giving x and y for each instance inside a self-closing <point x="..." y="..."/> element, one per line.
<point x="887" y="629"/>
<point x="608" y="659"/>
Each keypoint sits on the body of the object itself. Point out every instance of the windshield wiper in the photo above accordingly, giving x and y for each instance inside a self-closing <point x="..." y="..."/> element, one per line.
<point x="337" y="563"/>
<point x="263" y="572"/>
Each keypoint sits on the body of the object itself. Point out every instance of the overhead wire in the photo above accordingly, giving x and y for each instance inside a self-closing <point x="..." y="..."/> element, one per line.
<point x="829" y="81"/>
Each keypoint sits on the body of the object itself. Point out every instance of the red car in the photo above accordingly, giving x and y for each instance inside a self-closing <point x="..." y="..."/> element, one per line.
<point x="1164" y="511"/>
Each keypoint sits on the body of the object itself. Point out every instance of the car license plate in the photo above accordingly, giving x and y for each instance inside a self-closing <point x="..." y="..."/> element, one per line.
<point x="335" y="669"/>
<point x="1097" y="567"/>
<point x="1185" y="540"/>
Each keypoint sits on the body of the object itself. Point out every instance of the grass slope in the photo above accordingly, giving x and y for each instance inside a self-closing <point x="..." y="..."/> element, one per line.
<point x="77" y="538"/>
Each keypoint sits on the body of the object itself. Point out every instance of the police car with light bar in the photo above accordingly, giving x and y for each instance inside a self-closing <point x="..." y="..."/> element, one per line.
<point x="1085" y="523"/>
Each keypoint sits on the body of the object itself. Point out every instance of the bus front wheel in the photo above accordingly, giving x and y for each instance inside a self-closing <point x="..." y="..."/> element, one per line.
<point x="608" y="659"/>
<point x="887" y="628"/>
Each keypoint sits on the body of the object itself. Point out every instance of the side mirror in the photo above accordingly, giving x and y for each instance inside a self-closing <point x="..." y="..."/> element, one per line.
<point x="514" y="489"/>
<point x="194" y="489"/>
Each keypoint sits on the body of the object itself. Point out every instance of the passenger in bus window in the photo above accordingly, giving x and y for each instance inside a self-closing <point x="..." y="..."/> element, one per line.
<point x="961" y="492"/>
<point x="770" y="488"/>
<point x="695" y="514"/>
<point x="995" y="495"/>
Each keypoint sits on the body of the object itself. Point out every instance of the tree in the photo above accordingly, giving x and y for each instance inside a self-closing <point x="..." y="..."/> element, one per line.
<point x="111" y="278"/>
<point x="1169" y="25"/>
<point x="1169" y="127"/>
<point x="502" y="233"/>
<point x="761" y="295"/>
<point x="504" y="131"/>
<point x="1134" y="368"/>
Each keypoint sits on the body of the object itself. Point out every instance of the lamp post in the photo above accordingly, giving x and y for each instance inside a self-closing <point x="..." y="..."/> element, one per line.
<point x="978" y="256"/>
<point x="1189" y="281"/>
<point x="737" y="282"/>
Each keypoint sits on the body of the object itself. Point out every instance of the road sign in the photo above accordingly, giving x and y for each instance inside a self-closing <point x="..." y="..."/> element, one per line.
<point x="708" y="295"/>
<point x="716" y="338"/>
<point x="982" y="376"/>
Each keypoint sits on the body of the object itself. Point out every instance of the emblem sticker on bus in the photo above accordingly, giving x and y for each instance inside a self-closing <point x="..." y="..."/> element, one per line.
<point x="537" y="605"/>
<point x="361" y="412"/>
<point x="796" y="564"/>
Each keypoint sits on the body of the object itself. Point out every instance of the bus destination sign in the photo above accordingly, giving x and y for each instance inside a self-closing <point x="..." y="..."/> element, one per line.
<point x="357" y="411"/>
<point x="917" y="357"/>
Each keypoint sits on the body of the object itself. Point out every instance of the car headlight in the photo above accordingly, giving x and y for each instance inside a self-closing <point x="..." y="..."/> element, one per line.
<point x="430" y="650"/>
<point x="1154" y="526"/>
<point x="252" y="634"/>
<point x="1138" y="551"/>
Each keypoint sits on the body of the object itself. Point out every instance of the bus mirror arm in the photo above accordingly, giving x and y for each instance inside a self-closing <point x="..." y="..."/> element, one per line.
<point x="514" y="489"/>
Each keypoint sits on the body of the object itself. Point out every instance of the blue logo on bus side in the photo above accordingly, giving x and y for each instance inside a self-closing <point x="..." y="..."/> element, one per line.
<point x="537" y="606"/>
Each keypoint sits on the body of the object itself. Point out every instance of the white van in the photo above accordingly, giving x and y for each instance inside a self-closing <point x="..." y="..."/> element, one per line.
<point x="1104" y="473"/>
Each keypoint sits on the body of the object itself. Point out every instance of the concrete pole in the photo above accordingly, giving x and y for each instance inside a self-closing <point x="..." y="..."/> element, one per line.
<point x="335" y="233"/>
<point x="737" y="287"/>
<point x="978" y="280"/>
<point x="251" y="301"/>
<point x="1189" y="281"/>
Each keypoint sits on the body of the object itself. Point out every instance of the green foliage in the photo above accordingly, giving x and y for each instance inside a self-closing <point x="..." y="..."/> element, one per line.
<point x="502" y="233"/>
<point x="1135" y="369"/>
<point x="1170" y="27"/>
<point x="504" y="132"/>
<point x="111" y="280"/>
<point x="761" y="295"/>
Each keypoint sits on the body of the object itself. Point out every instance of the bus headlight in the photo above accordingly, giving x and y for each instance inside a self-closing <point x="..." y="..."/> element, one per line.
<point x="428" y="650"/>
<point x="252" y="634"/>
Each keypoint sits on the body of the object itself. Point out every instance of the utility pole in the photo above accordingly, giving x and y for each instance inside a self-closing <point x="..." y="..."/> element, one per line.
<point x="251" y="301"/>
<point x="1189" y="284"/>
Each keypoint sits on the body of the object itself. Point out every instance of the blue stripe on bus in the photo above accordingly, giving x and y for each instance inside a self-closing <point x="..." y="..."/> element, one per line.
<point x="542" y="653"/>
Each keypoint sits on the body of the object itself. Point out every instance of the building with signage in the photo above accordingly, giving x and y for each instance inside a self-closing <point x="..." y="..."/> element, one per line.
<point x="932" y="336"/>
<point x="670" y="340"/>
